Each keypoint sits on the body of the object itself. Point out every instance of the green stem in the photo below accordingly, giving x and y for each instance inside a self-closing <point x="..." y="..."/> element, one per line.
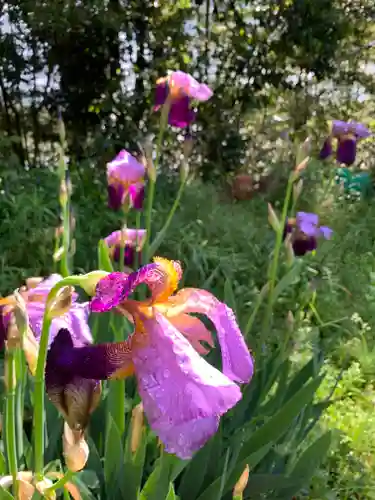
<point x="272" y="275"/>
<point x="152" y="179"/>
<point x="160" y="236"/>
<point x="66" y="240"/>
<point x="116" y="397"/>
<point x="20" y="399"/>
<point x="61" y="482"/>
<point x="11" y="442"/>
<point x="138" y="227"/>
<point x="122" y="245"/>
<point x="38" y="421"/>
<point x="39" y="383"/>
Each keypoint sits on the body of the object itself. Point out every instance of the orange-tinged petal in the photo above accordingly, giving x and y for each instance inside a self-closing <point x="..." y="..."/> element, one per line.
<point x="194" y="330"/>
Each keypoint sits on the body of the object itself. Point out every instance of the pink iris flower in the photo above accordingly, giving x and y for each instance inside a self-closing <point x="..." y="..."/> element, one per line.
<point x="180" y="88"/>
<point x="183" y="395"/>
<point x="122" y="173"/>
<point x="132" y="240"/>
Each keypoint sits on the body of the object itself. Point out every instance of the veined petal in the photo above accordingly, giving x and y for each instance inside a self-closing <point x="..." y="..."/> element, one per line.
<point x="162" y="279"/>
<point x="75" y="320"/>
<point x="183" y="396"/>
<point x="237" y="361"/>
<point x="73" y="374"/>
<point x="194" y="330"/>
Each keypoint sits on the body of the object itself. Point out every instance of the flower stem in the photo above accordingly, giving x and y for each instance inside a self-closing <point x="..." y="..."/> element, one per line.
<point x="20" y="399"/>
<point x="61" y="482"/>
<point x="38" y="420"/>
<point x="66" y="240"/>
<point x="116" y="396"/>
<point x="160" y="236"/>
<point x="138" y="227"/>
<point x="272" y="275"/>
<point x="152" y="180"/>
<point x="11" y="442"/>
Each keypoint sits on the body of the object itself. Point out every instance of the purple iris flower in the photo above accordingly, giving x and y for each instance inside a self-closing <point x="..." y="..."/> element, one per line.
<point x="347" y="135"/>
<point x="180" y="88"/>
<point x="122" y="172"/>
<point x="183" y="396"/>
<point x="305" y="231"/>
<point x="74" y="396"/>
<point x="132" y="240"/>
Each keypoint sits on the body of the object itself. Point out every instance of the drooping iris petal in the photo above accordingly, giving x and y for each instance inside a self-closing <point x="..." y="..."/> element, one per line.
<point x="326" y="232"/>
<point x="161" y="93"/>
<point x="116" y="195"/>
<point x="237" y="361"/>
<point x="73" y="396"/>
<point x="183" y="396"/>
<point x="137" y="195"/>
<point x="129" y="255"/>
<point x="326" y="150"/>
<point x="180" y="114"/>
<point x="303" y="245"/>
<point x="346" y="150"/>
<point x="194" y="330"/>
<point x="3" y="329"/>
<point x="360" y="130"/>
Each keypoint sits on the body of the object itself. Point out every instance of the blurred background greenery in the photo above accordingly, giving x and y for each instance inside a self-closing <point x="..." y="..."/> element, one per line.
<point x="279" y="70"/>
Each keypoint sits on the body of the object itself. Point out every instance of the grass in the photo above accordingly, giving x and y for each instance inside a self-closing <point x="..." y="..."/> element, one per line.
<point x="225" y="247"/>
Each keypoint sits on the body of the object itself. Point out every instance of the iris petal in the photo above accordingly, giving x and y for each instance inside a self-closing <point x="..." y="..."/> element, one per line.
<point x="237" y="361"/>
<point x="183" y="396"/>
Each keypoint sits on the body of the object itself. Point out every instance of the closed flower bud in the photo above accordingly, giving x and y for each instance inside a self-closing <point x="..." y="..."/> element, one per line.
<point x="273" y="219"/>
<point x="297" y="190"/>
<point x="290" y="321"/>
<point x="89" y="281"/>
<point x="58" y="254"/>
<point x="63" y="193"/>
<point x="137" y="427"/>
<point x="42" y="486"/>
<point x="75" y="449"/>
<point x="289" y="249"/>
<point x="33" y="282"/>
<point x="20" y="314"/>
<point x="61" y="303"/>
<point x="241" y="483"/>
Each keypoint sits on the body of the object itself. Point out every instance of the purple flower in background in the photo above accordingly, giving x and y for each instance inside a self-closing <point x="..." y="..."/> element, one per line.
<point x="305" y="231"/>
<point x="183" y="395"/>
<point x="122" y="172"/>
<point x="347" y="134"/>
<point x="74" y="396"/>
<point x="131" y="239"/>
<point x="180" y="88"/>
